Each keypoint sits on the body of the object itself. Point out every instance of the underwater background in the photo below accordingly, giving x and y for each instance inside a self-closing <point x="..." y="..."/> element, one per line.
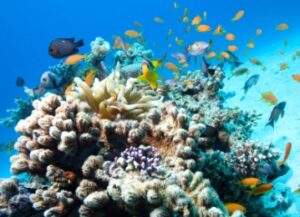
<point x="27" y="28"/>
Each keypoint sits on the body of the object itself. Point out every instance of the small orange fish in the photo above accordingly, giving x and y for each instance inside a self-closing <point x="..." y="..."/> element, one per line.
<point x="238" y="15"/>
<point x="261" y="189"/>
<point x="137" y="24"/>
<point x="158" y="20"/>
<point x="210" y="55"/>
<point x="283" y="66"/>
<point x="203" y="28"/>
<point x="69" y="89"/>
<point x="171" y="66"/>
<point x="132" y="33"/>
<point x="230" y="37"/>
<point x="288" y="148"/>
<point x="251" y="44"/>
<point x="250" y="182"/>
<point x="232" y="207"/>
<point x="72" y="60"/>
<point x="225" y="55"/>
<point x="197" y="19"/>
<point x="219" y="30"/>
<point x="296" y="77"/>
<point x="258" y="32"/>
<point x="256" y="62"/>
<point x="90" y="77"/>
<point x="269" y="97"/>
<point x="232" y="48"/>
<point x="185" y="19"/>
<point x="282" y="27"/>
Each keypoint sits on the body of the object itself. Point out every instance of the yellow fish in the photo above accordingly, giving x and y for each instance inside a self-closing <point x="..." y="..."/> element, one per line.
<point x="232" y="48"/>
<point x="203" y="28"/>
<point x="282" y="27"/>
<point x="150" y="75"/>
<point x="238" y="15"/>
<point x="230" y="37"/>
<point x="158" y="20"/>
<point x="210" y="55"/>
<point x="73" y="59"/>
<point x="232" y="207"/>
<point x="132" y="33"/>
<point x="251" y="44"/>
<point x="90" y="77"/>
<point x="258" y="32"/>
<point x="250" y="182"/>
<point x="296" y="77"/>
<point x="219" y="30"/>
<point x="196" y="20"/>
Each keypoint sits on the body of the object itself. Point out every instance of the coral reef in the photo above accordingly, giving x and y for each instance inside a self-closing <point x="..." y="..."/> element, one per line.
<point x="117" y="148"/>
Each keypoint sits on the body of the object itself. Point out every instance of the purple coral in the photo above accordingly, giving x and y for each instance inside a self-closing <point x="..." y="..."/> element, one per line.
<point x="143" y="158"/>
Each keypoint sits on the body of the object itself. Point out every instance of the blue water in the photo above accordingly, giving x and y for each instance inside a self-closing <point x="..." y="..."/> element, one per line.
<point x="27" y="27"/>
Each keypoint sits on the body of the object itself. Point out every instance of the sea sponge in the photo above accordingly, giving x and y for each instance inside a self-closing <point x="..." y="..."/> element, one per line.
<point x="115" y="99"/>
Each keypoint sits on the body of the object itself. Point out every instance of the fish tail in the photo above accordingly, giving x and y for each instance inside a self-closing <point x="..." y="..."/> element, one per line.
<point x="270" y="123"/>
<point x="79" y="43"/>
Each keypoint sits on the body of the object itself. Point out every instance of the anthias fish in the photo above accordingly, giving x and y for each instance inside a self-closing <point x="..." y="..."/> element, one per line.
<point x="278" y="111"/>
<point x="63" y="47"/>
<point x="250" y="83"/>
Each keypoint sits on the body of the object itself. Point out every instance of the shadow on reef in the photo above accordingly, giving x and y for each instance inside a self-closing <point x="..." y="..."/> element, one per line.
<point x="116" y="147"/>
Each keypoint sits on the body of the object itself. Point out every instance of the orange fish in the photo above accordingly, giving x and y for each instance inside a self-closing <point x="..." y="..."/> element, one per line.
<point x="250" y="182"/>
<point x="203" y="28"/>
<point x="210" y="55"/>
<point x="232" y="207"/>
<point x="232" y="48"/>
<point x="251" y="44"/>
<point x="69" y="89"/>
<point x="71" y="60"/>
<point x="158" y="20"/>
<point x="185" y="19"/>
<point x="238" y="15"/>
<point x="258" y="32"/>
<point x="296" y="77"/>
<point x="172" y="67"/>
<point x="219" y="30"/>
<point x="90" y="77"/>
<point x="261" y="189"/>
<point x="269" y="97"/>
<point x="283" y="66"/>
<point x="225" y="55"/>
<point x="282" y="27"/>
<point x="256" y="62"/>
<point x="132" y="33"/>
<point x="197" y="19"/>
<point x="230" y="37"/>
<point x="288" y="148"/>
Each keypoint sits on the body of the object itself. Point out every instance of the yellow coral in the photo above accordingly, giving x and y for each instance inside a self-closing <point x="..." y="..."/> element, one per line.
<point x="114" y="98"/>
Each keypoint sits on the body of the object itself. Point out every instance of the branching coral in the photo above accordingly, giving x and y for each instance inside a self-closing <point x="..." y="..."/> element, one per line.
<point x="114" y="99"/>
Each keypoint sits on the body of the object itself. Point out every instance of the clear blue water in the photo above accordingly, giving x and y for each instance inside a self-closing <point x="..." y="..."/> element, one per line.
<point x="27" y="27"/>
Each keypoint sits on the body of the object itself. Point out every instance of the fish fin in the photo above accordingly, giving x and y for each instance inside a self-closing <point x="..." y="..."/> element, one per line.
<point x="142" y="78"/>
<point x="153" y="85"/>
<point x="270" y="123"/>
<point x="79" y="43"/>
<point x="282" y="114"/>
